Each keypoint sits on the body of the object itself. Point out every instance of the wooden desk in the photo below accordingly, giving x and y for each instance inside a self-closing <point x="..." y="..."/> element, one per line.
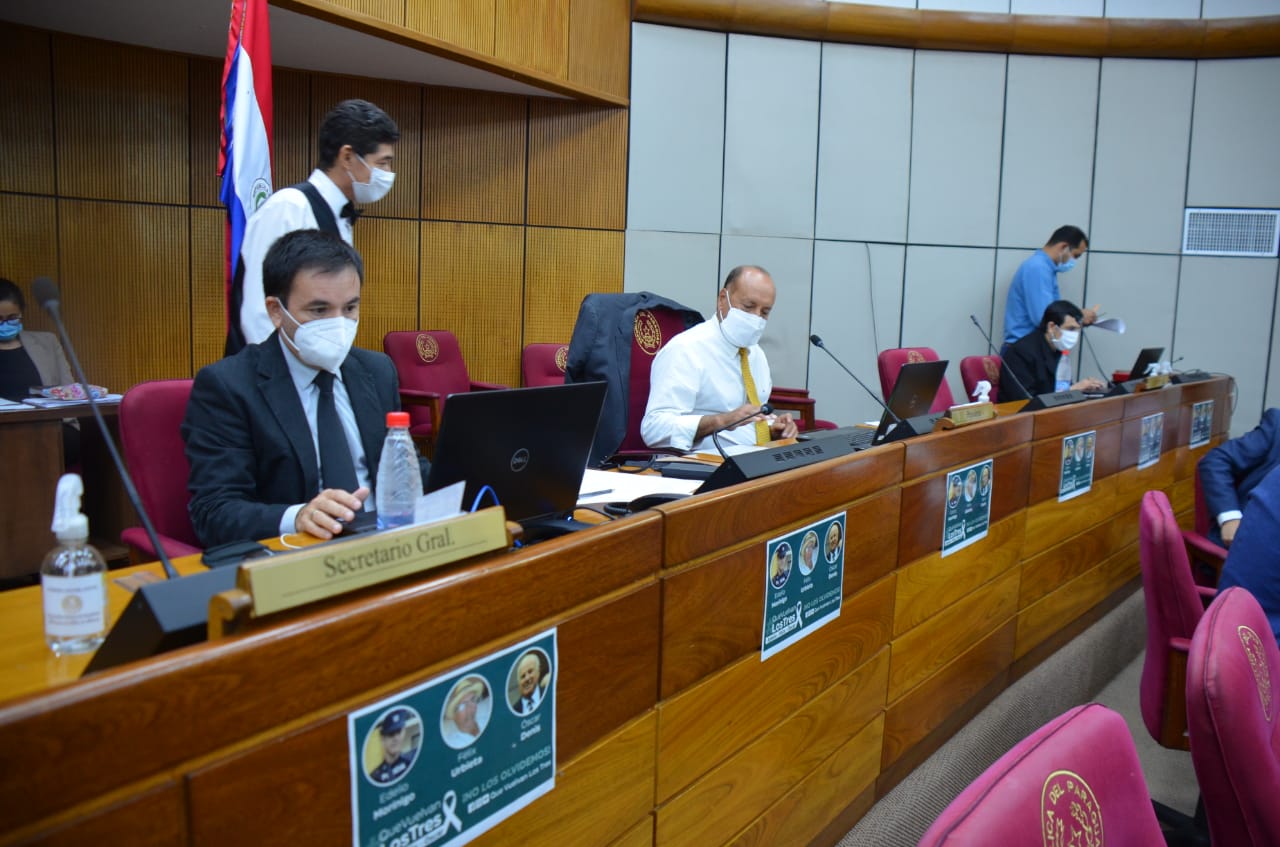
<point x="671" y="730"/>
<point x="31" y="462"/>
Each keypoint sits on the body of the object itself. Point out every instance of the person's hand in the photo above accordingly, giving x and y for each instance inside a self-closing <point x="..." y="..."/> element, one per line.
<point x="1229" y="531"/>
<point x="741" y="416"/>
<point x="1091" y="315"/>
<point x="322" y="517"/>
<point x="783" y="426"/>
<point x="1089" y="383"/>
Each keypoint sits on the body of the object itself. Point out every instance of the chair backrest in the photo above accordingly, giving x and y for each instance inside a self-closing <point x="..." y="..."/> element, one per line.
<point x="1173" y="608"/>
<point x="974" y="369"/>
<point x="151" y="416"/>
<point x="1233" y="714"/>
<point x="1202" y="522"/>
<point x="891" y="361"/>
<point x="427" y="360"/>
<point x="651" y="330"/>
<point x="543" y="364"/>
<point x="1072" y="781"/>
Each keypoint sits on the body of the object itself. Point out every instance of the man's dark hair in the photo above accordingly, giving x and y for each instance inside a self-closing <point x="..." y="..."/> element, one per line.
<point x="9" y="291"/>
<point x="356" y="122"/>
<point x="737" y="272"/>
<point x="305" y="250"/>
<point x="1073" y="235"/>
<point x="1058" y="311"/>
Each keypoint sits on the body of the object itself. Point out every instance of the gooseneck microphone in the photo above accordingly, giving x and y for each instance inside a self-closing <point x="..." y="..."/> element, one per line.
<point x="817" y="342"/>
<point x="1003" y="367"/>
<point x="45" y="291"/>
<point x="1096" y="363"/>
<point x="765" y="409"/>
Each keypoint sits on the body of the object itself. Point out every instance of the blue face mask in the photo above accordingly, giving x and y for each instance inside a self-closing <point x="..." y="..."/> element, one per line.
<point x="9" y="330"/>
<point x="1065" y="266"/>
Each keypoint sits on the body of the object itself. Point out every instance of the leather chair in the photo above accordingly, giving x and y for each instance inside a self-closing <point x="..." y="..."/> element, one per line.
<point x="1069" y="782"/>
<point x="974" y="369"/>
<point x="151" y="415"/>
<point x="1174" y="605"/>
<point x="1233" y="712"/>
<point x="1207" y="558"/>
<point x="431" y="367"/>
<point x="543" y="364"/>
<point x="891" y="361"/>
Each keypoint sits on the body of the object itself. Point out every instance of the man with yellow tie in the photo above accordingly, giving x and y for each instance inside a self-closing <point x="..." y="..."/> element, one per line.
<point x="714" y="376"/>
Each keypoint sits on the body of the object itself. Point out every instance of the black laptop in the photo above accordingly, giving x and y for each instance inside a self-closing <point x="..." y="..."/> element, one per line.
<point x="912" y="395"/>
<point x="1148" y="356"/>
<point x="529" y="445"/>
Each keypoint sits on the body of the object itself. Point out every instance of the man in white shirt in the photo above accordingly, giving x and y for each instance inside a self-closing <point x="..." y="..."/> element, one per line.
<point x="356" y="150"/>
<point x="714" y="377"/>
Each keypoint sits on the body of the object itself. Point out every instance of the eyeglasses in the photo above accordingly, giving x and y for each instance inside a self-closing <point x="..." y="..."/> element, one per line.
<point x="12" y="320"/>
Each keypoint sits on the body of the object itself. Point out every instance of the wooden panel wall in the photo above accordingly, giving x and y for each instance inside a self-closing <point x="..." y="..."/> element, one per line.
<point x="120" y="203"/>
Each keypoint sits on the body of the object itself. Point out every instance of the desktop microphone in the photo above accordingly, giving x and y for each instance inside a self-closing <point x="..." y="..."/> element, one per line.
<point x="817" y="342"/>
<point x="45" y="291"/>
<point x="1094" y="355"/>
<point x="765" y="409"/>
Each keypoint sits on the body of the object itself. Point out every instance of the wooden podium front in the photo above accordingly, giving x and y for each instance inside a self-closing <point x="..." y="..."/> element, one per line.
<point x="671" y="730"/>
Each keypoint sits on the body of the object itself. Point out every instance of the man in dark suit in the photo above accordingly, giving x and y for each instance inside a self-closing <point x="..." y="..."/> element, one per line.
<point x="1034" y="357"/>
<point x="285" y="435"/>
<point x="1230" y="472"/>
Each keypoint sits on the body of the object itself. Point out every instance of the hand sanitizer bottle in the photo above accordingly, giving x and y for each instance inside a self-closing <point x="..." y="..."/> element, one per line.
<point x="73" y="578"/>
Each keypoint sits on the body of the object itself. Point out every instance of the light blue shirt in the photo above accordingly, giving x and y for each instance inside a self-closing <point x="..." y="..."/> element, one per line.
<point x="304" y="380"/>
<point x="1034" y="287"/>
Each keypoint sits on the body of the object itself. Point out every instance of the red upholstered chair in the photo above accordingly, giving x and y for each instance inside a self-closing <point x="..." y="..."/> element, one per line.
<point x="1233" y="714"/>
<point x="1174" y="605"/>
<point x="802" y="407"/>
<point x="651" y="331"/>
<point x="431" y="367"/>
<point x="1206" y="557"/>
<point x="150" y="418"/>
<point x="974" y="369"/>
<point x="891" y="361"/>
<point x="1069" y="782"/>
<point x="543" y="364"/>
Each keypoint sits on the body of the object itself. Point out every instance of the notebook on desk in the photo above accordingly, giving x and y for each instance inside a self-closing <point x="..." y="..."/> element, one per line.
<point x="911" y="397"/>
<point x="529" y="445"/>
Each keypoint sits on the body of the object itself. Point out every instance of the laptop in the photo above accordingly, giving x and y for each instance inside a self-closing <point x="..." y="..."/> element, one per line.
<point x="530" y="445"/>
<point x="1148" y="356"/>
<point x="912" y="395"/>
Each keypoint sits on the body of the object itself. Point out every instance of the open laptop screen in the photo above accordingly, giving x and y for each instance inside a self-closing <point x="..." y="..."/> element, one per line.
<point x="529" y="445"/>
<point x="1148" y="356"/>
<point x="914" y="391"/>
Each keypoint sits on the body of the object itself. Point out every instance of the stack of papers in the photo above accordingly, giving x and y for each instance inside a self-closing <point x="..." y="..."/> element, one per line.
<point x="612" y="487"/>
<point x="49" y="403"/>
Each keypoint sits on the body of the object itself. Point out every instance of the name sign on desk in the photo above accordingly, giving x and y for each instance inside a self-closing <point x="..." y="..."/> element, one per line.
<point x="803" y="582"/>
<point x="443" y="762"/>
<point x="1201" y="423"/>
<point x="325" y="570"/>
<point x="1077" y="465"/>
<point x="1152" y="439"/>
<point x="967" y="514"/>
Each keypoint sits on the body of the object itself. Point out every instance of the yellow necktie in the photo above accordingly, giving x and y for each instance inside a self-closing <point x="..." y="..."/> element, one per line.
<point x="762" y="428"/>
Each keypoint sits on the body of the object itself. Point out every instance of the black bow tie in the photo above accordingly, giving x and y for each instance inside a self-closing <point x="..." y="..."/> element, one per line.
<point x="351" y="212"/>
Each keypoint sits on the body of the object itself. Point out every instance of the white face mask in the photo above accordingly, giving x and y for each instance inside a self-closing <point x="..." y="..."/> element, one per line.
<point x="741" y="329"/>
<point x="1067" y="340"/>
<point x="376" y="188"/>
<point x="324" y="343"/>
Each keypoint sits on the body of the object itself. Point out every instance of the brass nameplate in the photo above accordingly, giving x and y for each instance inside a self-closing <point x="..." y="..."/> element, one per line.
<point x="1157" y="381"/>
<point x="971" y="413"/>
<point x="325" y="570"/>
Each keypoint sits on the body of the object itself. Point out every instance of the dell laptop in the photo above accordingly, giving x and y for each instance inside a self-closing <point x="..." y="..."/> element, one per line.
<point x="912" y="395"/>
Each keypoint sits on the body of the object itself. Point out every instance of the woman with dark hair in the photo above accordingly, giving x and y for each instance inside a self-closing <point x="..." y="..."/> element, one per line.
<point x="31" y="359"/>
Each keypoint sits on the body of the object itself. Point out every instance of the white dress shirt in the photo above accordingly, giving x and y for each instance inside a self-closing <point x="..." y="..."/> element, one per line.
<point x="285" y="211"/>
<point x="699" y="373"/>
<point x="309" y="393"/>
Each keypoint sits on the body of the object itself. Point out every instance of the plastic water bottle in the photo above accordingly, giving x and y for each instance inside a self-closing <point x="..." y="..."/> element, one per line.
<point x="399" y="482"/>
<point x="73" y="578"/>
<point x="1062" y="379"/>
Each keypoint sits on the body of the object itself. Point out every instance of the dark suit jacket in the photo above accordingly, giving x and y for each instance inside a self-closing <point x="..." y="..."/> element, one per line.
<point x="249" y="444"/>
<point x="1035" y="363"/>
<point x="1230" y="471"/>
<point x="601" y="350"/>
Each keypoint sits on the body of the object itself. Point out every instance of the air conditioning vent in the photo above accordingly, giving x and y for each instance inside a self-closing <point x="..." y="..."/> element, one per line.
<point x="1231" y="232"/>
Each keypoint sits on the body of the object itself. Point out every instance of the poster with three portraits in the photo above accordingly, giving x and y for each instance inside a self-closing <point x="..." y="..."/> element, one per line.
<point x="444" y="761"/>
